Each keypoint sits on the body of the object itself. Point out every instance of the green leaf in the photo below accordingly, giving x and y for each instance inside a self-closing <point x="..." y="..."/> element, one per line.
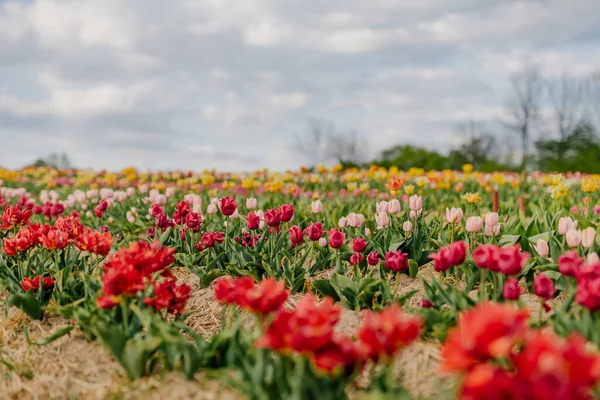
<point x="27" y="303"/>
<point x="509" y="240"/>
<point x="208" y="278"/>
<point x="413" y="268"/>
<point x="324" y="288"/>
<point x="57" y="335"/>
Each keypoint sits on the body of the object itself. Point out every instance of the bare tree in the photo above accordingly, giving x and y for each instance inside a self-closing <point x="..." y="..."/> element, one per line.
<point x="567" y="98"/>
<point x="523" y="106"/>
<point x="322" y="142"/>
<point x="593" y="97"/>
<point x="313" y="141"/>
<point x="346" y="147"/>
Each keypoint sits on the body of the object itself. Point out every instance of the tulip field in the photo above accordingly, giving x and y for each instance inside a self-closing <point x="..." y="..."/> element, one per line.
<point x="321" y="283"/>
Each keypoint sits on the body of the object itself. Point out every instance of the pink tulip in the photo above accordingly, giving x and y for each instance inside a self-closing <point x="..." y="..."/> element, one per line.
<point x="342" y="222"/>
<point x="316" y="207"/>
<point x="382" y="220"/>
<point x="474" y="224"/>
<point x="322" y="242"/>
<point x="407" y="226"/>
<point x="492" y="230"/>
<point x="394" y="206"/>
<point x="414" y="214"/>
<point x="211" y="209"/>
<point x="574" y="237"/>
<point x="566" y="224"/>
<point x="415" y="203"/>
<point x="592" y="258"/>
<point x="382" y="207"/>
<point x="541" y="247"/>
<point x="454" y="215"/>
<point x="251" y="203"/>
<point x="492" y="219"/>
<point x="170" y="192"/>
<point x="588" y="237"/>
<point x="355" y="220"/>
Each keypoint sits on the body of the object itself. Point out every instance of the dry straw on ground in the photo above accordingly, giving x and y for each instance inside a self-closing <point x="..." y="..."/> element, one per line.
<point x="72" y="367"/>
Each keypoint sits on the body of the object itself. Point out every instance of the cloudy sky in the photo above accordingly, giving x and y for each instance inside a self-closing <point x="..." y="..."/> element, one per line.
<point x="227" y="84"/>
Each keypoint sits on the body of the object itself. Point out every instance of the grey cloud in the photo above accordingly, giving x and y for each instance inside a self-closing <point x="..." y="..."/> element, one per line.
<point x="199" y="83"/>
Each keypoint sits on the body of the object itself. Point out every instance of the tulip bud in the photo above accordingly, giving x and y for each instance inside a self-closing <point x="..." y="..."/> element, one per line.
<point x="454" y="215"/>
<point x="336" y="239"/>
<point x="211" y="209"/>
<point x="543" y="286"/>
<point x="317" y="207"/>
<point x="565" y="225"/>
<point x="573" y="237"/>
<point x="359" y="245"/>
<point x="588" y="237"/>
<point x="382" y="207"/>
<point x="355" y="220"/>
<point x="367" y="232"/>
<point x="511" y="289"/>
<point x="593" y="258"/>
<point x="170" y="191"/>
<point x="342" y="222"/>
<point x="542" y="248"/>
<point x="394" y="206"/>
<point x="492" y="219"/>
<point x="415" y="203"/>
<point x="414" y="214"/>
<point x="373" y="258"/>
<point x="407" y="226"/>
<point x="323" y="242"/>
<point x="492" y="230"/>
<point x="251" y="203"/>
<point x="382" y="220"/>
<point x="474" y="224"/>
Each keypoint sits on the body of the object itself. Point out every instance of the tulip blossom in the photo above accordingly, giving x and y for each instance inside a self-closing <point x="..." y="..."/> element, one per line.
<point x="492" y="230"/>
<point x="382" y="220"/>
<point x="251" y="203"/>
<point x="573" y="238"/>
<point x="543" y="286"/>
<point x="355" y="220"/>
<point x="566" y="224"/>
<point x="492" y="219"/>
<point x="541" y="247"/>
<point x="342" y="222"/>
<point x="415" y="203"/>
<point x="474" y="224"/>
<point x="316" y="207"/>
<point x="394" y="206"/>
<point x="588" y="237"/>
<point x="359" y="245"/>
<point x="570" y="263"/>
<point x="511" y="289"/>
<point x="373" y="258"/>
<point x="396" y="261"/>
<point x="454" y="215"/>
<point x="336" y="238"/>
<point x="407" y="226"/>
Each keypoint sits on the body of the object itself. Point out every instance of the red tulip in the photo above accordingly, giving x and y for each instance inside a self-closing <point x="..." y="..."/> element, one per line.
<point x="287" y="212"/>
<point x="373" y="258"/>
<point x="253" y="220"/>
<point x="227" y="206"/>
<point x="511" y="289"/>
<point x="314" y="231"/>
<point x="336" y="238"/>
<point x="396" y="261"/>
<point x="296" y="235"/>
<point x="543" y="286"/>
<point x="359" y="245"/>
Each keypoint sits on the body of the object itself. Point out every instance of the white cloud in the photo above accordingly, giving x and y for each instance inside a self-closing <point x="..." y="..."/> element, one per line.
<point x="201" y="83"/>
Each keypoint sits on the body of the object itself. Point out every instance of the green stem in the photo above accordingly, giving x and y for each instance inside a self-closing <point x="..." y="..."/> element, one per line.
<point x="482" y="294"/>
